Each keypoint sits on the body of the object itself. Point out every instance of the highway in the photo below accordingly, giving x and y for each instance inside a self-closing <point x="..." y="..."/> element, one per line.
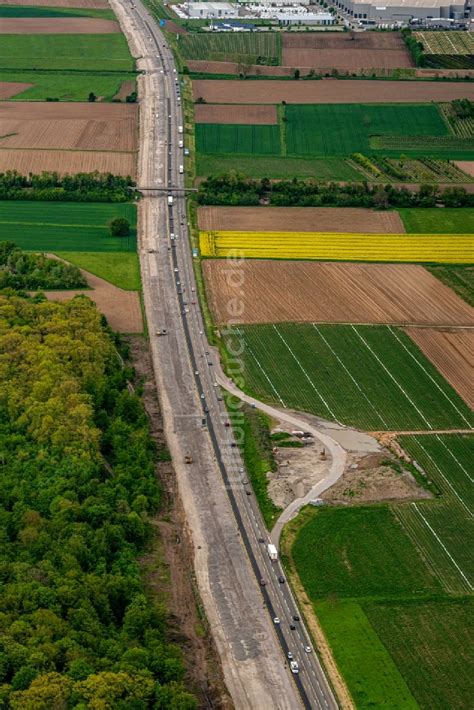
<point x="239" y="583"/>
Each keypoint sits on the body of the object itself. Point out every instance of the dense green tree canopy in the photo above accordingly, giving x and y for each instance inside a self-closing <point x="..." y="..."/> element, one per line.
<point x="19" y="270"/>
<point x="77" y="485"/>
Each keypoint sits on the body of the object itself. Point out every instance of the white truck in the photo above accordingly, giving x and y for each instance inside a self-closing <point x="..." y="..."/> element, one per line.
<point x="180" y="144"/>
<point x="181" y="169"/>
<point x="170" y="199"/>
<point x="272" y="552"/>
<point x="180" y="129"/>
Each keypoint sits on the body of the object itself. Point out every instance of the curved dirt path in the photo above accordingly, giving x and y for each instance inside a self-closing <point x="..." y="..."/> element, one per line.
<point x="336" y="451"/>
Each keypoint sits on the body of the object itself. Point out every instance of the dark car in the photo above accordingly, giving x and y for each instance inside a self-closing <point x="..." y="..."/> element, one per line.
<point x="292" y="627"/>
<point x="262" y="583"/>
<point x="281" y="580"/>
<point x="296" y="617"/>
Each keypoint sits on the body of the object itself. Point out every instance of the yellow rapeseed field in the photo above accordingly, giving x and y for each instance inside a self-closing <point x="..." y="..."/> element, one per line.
<point x="331" y="246"/>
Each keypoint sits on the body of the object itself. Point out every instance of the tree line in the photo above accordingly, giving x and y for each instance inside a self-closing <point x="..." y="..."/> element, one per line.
<point x="236" y="189"/>
<point x="80" y="187"/>
<point x="78" y="487"/>
<point x="19" y="270"/>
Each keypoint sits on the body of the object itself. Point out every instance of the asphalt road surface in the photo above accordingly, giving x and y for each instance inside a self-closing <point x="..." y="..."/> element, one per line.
<point x="238" y="582"/>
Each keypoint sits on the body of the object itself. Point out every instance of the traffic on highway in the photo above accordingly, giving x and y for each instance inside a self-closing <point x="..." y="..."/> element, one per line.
<point x="302" y="662"/>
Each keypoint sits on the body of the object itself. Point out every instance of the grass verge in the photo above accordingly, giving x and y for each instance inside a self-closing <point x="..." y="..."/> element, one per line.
<point x="252" y="433"/>
<point x="120" y="269"/>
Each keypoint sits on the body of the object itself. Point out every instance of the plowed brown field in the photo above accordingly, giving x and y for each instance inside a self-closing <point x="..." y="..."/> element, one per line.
<point x="79" y="126"/>
<point x="299" y="219"/>
<point x="329" y="91"/>
<point x="253" y="114"/>
<point x="64" y="161"/>
<point x="276" y="291"/>
<point x="11" y="88"/>
<point x="90" y="4"/>
<point x="57" y="25"/>
<point x="320" y="50"/>
<point x="452" y="352"/>
<point x="466" y="165"/>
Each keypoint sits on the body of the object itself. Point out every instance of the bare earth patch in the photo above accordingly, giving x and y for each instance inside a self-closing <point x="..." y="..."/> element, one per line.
<point x="57" y="25"/>
<point x="300" y="219"/>
<point x="204" y="66"/>
<point x="466" y="165"/>
<point x="74" y="125"/>
<point x="253" y="114"/>
<point x="308" y="291"/>
<point x="329" y="91"/>
<point x="89" y="4"/>
<point x="12" y="88"/>
<point x="299" y="470"/>
<point x="369" y="480"/>
<point x="64" y="161"/>
<point x="121" y="308"/>
<point x="452" y="353"/>
<point x="126" y="88"/>
<point x="344" y="51"/>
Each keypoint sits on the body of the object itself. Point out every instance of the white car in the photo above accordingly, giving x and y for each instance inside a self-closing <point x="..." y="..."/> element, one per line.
<point x="289" y="655"/>
<point x="176" y="269"/>
<point x="276" y="620"/>
<point x="307" y="649"/>
<point x="294" y="667"/>
<point x="202" y="396"/>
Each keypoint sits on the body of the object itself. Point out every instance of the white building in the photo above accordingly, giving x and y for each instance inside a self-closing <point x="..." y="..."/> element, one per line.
<point x="382" y="12"/>
<point x="210" y="10"/>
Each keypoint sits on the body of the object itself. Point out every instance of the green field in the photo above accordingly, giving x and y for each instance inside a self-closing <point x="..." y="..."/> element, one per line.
<point x="459" y="278"/>
<point x="431" y="643"/>
<point x="359" y="552"/>
<point x="372" y="377"/>
<point x="248" y="47"/>
<point x="66" y="86"/>
<point x="389" y="583"/>
<point x="233" y="138"/>
<point x="440" y="530"/>
<point x="65" y="226"/>
<point x="438" y="221"/>
<point x="277" y="167"/>
<point x="33" y="11"/>
<point x="342" y="129"/>
<point x="367" y="667"/>
<point x="107" y="52"/>
<point x="121" y="269"/>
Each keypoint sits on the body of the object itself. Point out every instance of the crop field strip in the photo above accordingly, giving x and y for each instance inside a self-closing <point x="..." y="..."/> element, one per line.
<point x="331" y="246"/>
<point x="65" y="226"/>
<point x="246" y="47"/>
<point x="16" y="10"/>
<point x="278" y="167"/>
<point x="446" y="42"/>
<point x="304" y="219"/>
<point x="441" y="528"/>
<point x="287" y="291"/>
<point x="57" y="25"/>
<point x="104" y="52"/>
<point x="88" y="4"/>
<point x="216" y="91"/>
<point x="371" y="377"/>
<point x="231" y="113"/>
<point x="61" y="85"/>
<point x="238" y="138"/>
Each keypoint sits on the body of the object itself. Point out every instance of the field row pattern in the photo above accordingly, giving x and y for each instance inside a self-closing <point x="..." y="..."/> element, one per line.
<point x="331" y="246"/>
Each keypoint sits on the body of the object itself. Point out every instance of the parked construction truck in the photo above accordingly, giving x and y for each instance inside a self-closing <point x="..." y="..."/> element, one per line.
<point x="272" y="552"/>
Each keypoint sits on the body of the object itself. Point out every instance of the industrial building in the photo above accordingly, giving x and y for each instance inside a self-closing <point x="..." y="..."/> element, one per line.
<point x="403" y="12"/>
<point x="210" y="10"/>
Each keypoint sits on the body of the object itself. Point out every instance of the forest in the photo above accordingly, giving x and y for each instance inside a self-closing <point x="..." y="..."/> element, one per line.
<point x="19" y="270"/>
<point x="78" y="487"/>
<point x="80" y="187"/>
<point x="236" y="189"/>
